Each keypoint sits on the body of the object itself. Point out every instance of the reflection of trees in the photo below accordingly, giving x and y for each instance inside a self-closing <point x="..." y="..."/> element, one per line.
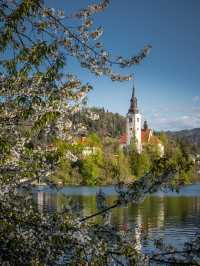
<point x="89" y="205"/>
<point x="138" y="231"/>
<point x="182" y="209"/>
<point x="40" y="200"/>
<point x="45" y="201"/>
<point x="157" y="217"/>
<point x="155" y="213"/>
<point x="196" y="205"/>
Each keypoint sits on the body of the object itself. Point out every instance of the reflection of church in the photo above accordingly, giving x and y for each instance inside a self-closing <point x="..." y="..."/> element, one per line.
<point x="134" y="130"/>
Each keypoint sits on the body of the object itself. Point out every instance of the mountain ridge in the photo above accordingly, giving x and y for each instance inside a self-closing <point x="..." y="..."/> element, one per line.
<point x="191" y="135"/>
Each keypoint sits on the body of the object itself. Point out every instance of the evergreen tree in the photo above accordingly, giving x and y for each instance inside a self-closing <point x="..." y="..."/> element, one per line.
<point x="145" y="126"/>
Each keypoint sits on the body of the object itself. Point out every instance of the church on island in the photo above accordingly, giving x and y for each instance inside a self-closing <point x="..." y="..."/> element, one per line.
<point x="135" y="132"/>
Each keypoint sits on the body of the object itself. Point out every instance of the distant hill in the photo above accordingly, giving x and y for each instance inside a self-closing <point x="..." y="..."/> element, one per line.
<point x="192" y="135"/>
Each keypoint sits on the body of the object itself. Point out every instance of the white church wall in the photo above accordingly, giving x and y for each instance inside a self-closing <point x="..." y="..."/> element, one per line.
<point x="133" y="129"/>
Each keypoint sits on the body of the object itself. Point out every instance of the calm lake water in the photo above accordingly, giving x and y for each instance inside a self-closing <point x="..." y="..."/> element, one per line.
<point x="175" y="217"/>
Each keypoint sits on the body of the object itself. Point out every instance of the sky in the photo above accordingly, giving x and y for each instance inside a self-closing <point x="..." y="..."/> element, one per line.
<point x="167" y="82"/>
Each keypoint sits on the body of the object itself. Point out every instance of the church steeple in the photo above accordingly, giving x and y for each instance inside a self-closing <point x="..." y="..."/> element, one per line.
<point x="133" y="123"/>
<point x="133" y="107"/>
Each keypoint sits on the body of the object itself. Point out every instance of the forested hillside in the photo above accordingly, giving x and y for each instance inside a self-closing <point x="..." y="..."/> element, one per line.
<point x="108" y="124"/>
<point x="190" y="136"/>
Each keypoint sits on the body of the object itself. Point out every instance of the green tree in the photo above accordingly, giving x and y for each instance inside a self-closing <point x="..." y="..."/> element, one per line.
<point x="143" y="164"/>
<point x="145" y="126"/>
<point x="94" y="140"/>
<point x="152" y="151"/>
<point x="90" y="168"/>
<point x="116" y="168"/>
<point x="163" y="137"/>
<point x="124" y="167"/>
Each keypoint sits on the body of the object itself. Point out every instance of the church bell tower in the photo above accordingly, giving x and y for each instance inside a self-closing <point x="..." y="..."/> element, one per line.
<point x="133" y="123"/>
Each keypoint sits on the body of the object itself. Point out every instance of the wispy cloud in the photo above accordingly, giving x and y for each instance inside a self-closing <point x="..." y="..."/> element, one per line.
<point x="178" y="122"/>
<point x="196" y="98"/>
<point x="177" y="117"/>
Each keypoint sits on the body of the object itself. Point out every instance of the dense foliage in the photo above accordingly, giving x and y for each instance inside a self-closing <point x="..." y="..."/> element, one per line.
<point x="106" y="124"/>
<point x="101" y="161"/>
<point x="38" y="100"/>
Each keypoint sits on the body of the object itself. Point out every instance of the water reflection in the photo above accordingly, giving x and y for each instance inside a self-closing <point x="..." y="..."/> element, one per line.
<point x="175" y="217"/>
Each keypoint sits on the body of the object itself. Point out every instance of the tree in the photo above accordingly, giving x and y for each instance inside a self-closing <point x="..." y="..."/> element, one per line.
<point x="144" y="164"/>
<point x="37" y="107"/>
<point x="145" y="126"/>
<point x="90" y="168"/>
<point x="133" y="158"/>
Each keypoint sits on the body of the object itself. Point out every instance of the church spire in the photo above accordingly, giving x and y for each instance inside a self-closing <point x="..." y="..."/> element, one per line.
<point x="133" y="107"/>
<point x="133" y="92"/>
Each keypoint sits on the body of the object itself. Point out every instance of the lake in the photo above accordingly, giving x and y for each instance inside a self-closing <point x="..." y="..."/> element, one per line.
<point x="173" y="216"/>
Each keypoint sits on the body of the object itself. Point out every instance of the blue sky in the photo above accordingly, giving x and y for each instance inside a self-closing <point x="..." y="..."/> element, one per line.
<point x="168" y="81"/>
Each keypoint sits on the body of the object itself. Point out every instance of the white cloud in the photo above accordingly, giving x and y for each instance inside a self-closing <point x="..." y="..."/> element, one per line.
<point x="156" y="114"/>
<point x="184" y="117"/>
<point x="177" y="118"/>
<point x="196" y="98"/>
<point x="186" y="121"/>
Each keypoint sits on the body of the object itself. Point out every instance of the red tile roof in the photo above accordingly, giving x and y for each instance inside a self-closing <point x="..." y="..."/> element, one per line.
<point x="123" y="138"/>
<point x="146" y="137"/>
